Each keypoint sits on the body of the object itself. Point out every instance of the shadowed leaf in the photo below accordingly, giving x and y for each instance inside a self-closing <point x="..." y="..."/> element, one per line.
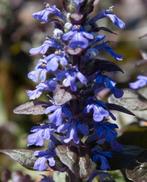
<point x="80" y="166"/>
<point x="105" y="65"/>
<point x="119" y="108"/>
<point x="67" y="157"/>
<point x="105" y="29"/>
<point x="101" y="65"/>
<point x="138" y="174"/>
<point x="128" y="158"/>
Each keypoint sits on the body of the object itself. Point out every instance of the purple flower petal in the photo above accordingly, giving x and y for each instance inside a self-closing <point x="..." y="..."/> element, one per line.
<point x="51" y="161"/>
<point x="38" y="75"/>
<point x="41" y="164"/>
<point x="82" y="78"/>
<point x="43" y="16"/>
<point x="51" y="109"/>
<point x="52" y="84"/>
<point x="108" y="83"/>
<point x="70" y="81"/>
<point x="56" y="117"/>
<point x="83" y="128"/>
<point x="112" y="53"/>
<point x="47" y="134"/>
<point x="88" y="35"/>
<point x="49" y="57"/>
<point x="63" y="127"/>
<point x="36" y="139"/>
<point x="44" y="47"/>
<point x="67" y="36"/>
<point x="117" y="21"/>
<point x="141" y="82"/>
<point x="52" y="65"/>
<point x="41" y="49"/>
<point x="99" y="114"/>
<point x="78" y="2"/>
<point x="109" y="14"/>
<point x="33" y="94"/>
<point x="72" y="135"/>
<point x="63" y="61"/>
<point x="78" y="41"/>
<point x="39" y="134"/>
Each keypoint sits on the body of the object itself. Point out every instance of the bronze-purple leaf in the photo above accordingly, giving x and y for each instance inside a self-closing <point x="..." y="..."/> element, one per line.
<point x="133" y="101"/>
<point x="105" y="65"/>
<point x="86" y="167"/>
<point x="24" y="157"/>
<point x="33" y="107"/>
<point x="138" y="174"/>
<point x="68" y="158"/>
<point x="61" y="96"/>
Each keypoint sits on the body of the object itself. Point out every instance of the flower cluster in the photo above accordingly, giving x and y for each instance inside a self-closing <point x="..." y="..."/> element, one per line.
<point x="67" y="75"/>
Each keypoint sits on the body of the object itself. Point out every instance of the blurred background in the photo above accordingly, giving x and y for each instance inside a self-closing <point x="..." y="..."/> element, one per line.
<point x="19" y="32"/>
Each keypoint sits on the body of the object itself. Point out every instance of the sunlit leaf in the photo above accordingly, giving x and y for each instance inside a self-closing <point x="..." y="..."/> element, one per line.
<point x="133" y="102"/>
<point x="61" y="96"/>
<point x="23" y="157"/>
<point x="143" y="92"/>
<point x="33" y="107"/>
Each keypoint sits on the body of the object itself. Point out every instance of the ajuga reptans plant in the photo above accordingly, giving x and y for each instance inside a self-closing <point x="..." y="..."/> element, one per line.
<point x="69" y="77"/>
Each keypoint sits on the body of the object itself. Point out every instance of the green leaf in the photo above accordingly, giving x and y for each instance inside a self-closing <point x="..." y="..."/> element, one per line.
<point x="22" y="156"/>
